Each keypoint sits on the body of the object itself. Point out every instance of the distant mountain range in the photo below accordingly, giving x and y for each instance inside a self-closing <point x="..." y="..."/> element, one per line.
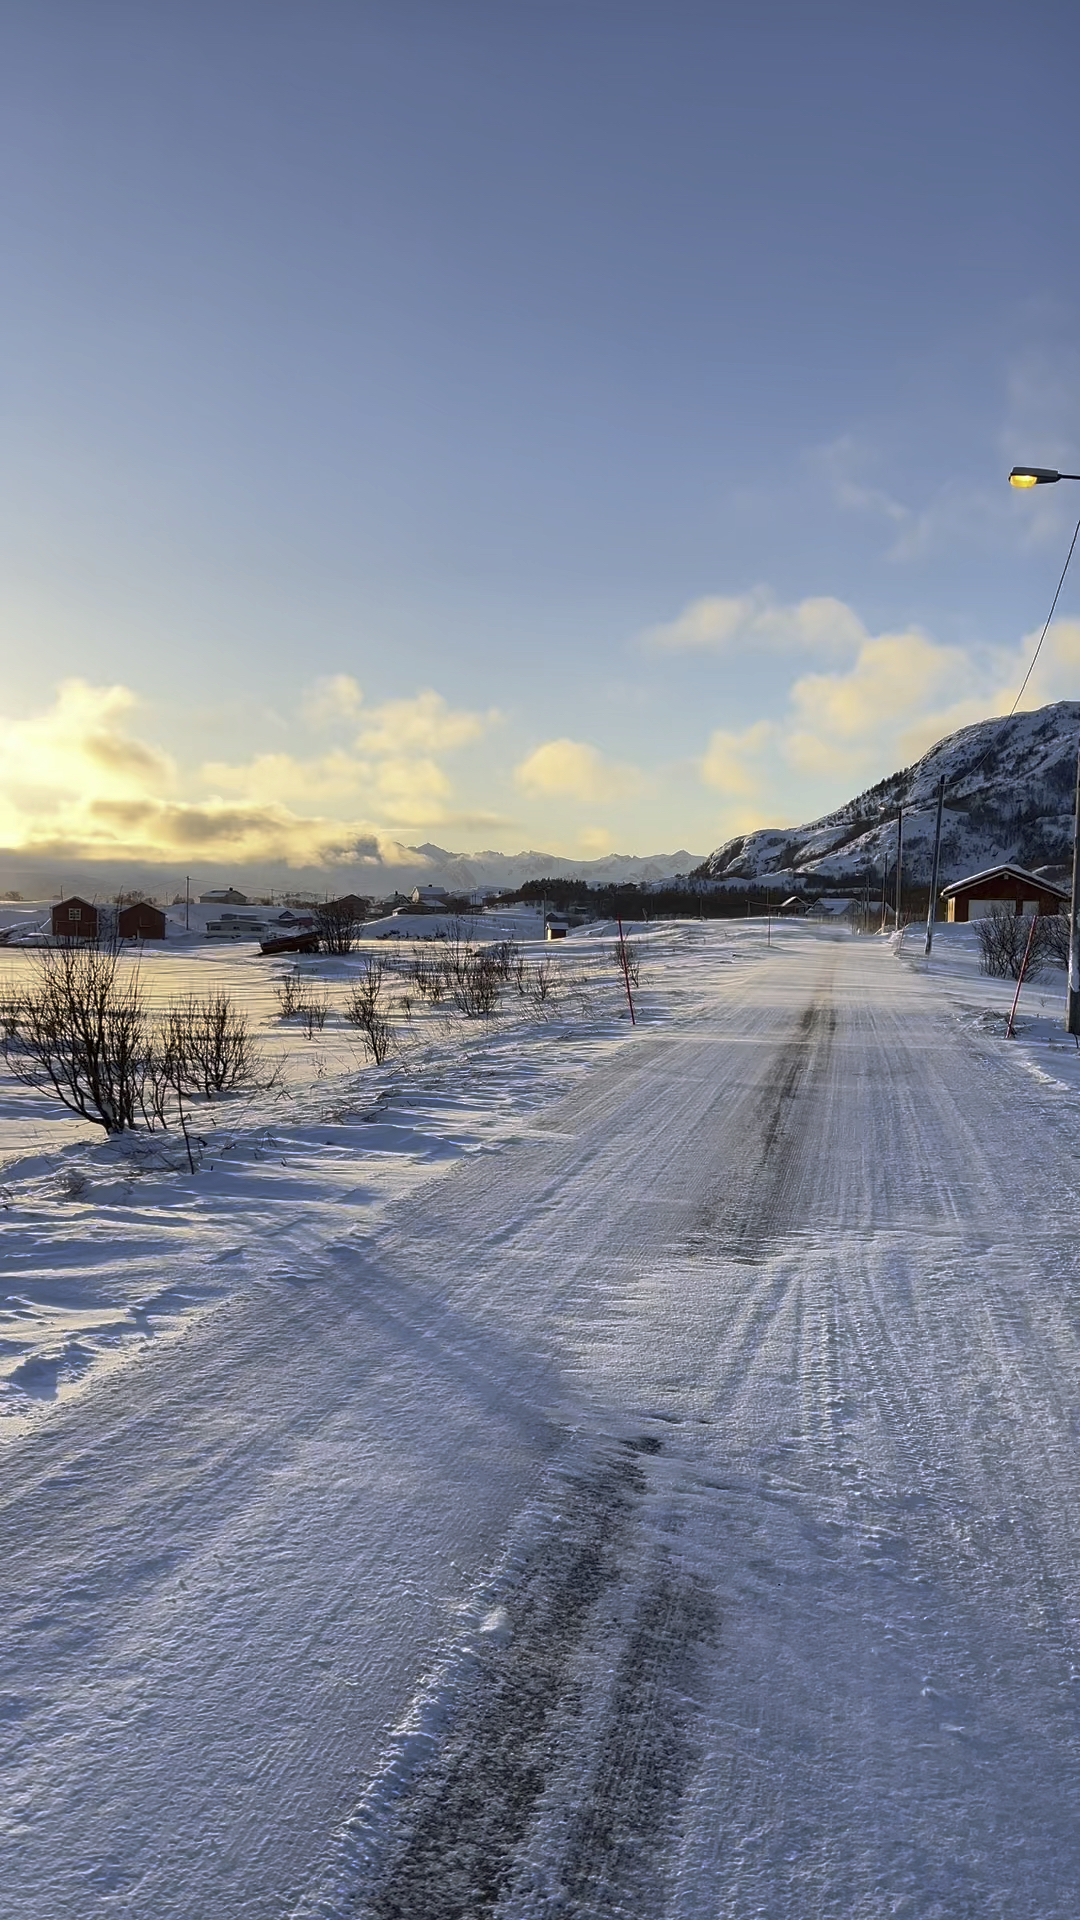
<point x="462" y="872"/>
<point x="1009" y="793"/>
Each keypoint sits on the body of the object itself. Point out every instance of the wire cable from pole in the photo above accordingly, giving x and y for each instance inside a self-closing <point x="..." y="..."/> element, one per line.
<point x="985" y="755"/>
<point x="1046" y="627"/>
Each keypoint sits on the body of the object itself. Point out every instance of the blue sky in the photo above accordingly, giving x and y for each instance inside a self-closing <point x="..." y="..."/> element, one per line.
<point x="569" y="423"/>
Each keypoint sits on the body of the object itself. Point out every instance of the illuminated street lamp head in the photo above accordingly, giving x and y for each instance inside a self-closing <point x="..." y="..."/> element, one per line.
<point x="1037" y="476"/>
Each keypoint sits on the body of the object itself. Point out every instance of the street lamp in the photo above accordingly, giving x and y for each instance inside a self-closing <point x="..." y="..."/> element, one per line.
<point x="1045" y="477"/>
<point x="1038" y="476"/>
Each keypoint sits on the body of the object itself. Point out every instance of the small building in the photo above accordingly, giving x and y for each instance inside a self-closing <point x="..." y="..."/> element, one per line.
<point x="829" y="907"/>
<point x="353" y="904"/>
<point x="141" y="922"/>
<point x="74" y="919"/>
<point x="237" y="926"/>
<point x="793" y="907"/>
<point x="557" y="927"/>
<point x="223" y="897"/>
<point x="1006" y="886"/>
<point x="429" y="897"/>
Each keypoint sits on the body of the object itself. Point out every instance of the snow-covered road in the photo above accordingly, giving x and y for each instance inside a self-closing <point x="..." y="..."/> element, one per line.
<point x="675" y="1513"/>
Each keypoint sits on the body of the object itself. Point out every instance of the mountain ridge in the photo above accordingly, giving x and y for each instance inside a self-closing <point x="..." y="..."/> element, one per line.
<point x="464" y="872"/>
<point x="1009" y="795"/>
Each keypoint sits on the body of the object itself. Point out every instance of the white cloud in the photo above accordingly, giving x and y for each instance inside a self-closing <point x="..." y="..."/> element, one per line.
<point x="574" y="770"/>
<point x="842" y="728"/>
<point x="741" y="767"/>
<point x="331" y="700"/>
<point x="75" y="780"/>
<point x="79" y="751"/>
<point x="721" y="623"/>
<point x="596" y="840"/>
<point x="424" y="724"/>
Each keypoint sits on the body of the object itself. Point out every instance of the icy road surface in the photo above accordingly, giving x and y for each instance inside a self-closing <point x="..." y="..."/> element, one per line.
<point x="675" y="1514"/>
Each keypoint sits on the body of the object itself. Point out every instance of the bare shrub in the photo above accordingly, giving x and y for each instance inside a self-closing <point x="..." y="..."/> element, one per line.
<point x="627" y="957"/>
<point x="289" y="994"/>
<point x="300" y="998"/>
<point x="543" y="982"/>
<point x="471" y="978"/>
<point x="365" y="1008"/>
<point x="206" y="1046"/>
<point x="337" y="923"/>
<point x="314" y="1011"/>
<point x="1003" y="938"/>
<point x="504" y="956"/>
<point x="1056" y="938"/>
<point x="80" y="1033"/>
<point x="161" y="1080"/>
<point x="476" y="986"/>
<point x="427" y="975"/>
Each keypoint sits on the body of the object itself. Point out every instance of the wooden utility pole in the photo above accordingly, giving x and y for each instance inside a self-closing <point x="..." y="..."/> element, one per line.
<point x="1072" y="997"/>
<point x="899" y="860"/>
<point x="935" y="867"/>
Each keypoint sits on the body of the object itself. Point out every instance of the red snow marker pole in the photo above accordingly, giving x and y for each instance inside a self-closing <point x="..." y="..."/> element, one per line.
<point x="626" y="972"/>
<point x="1023" y="970"/>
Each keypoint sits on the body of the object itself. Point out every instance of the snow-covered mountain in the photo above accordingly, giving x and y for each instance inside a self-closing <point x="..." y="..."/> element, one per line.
<point x="1009" y="791"/>
<point x="463" y="871"/>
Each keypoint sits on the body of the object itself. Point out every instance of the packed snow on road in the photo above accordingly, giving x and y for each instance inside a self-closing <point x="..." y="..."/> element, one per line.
<point x="572" y="1469"/>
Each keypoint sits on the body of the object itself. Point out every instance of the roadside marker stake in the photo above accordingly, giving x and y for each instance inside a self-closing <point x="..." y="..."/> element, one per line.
<point x="626" y="972"/>
<point x="1009" y="1035"/>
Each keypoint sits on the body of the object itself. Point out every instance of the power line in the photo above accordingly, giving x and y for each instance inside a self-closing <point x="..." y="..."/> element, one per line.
<point x="1049" y="617"/>
<point x="985" y="755"/>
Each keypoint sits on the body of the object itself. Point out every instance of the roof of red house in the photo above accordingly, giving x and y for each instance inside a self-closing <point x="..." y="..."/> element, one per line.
<point x="1006" y="870"/>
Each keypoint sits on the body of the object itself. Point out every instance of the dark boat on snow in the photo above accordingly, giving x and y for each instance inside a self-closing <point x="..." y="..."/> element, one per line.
<point x="291" y="943"/>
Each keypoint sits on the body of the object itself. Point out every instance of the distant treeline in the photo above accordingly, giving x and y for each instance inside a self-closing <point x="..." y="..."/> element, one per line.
<point x="634" y="902"/>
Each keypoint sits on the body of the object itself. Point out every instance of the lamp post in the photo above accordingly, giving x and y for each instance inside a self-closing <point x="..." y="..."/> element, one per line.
<point x="935" y="869"/>
<point x="1024" y="477"/>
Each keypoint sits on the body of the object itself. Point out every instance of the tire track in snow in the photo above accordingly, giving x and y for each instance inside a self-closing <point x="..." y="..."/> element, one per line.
<point x="539" y="1773"/>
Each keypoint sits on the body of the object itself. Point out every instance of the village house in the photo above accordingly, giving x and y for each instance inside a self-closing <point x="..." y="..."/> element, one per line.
<point x="1005" y="886"/>
<point x="74" y="919"/>
<point x="141" y="922"/>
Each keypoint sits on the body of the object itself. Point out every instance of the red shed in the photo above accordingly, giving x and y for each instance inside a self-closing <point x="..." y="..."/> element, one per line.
<point x="141" y="922"/>
<point x="1006" y="886"/>
<point x="74" y="919"/>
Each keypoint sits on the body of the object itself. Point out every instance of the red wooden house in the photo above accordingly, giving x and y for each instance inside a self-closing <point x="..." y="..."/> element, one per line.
<point x="74" y="919"/>
<point x="141" y="922"/>
<point x="1013" y="888"/>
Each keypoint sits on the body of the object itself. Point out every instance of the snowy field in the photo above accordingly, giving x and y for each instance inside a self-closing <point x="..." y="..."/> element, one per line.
<point x="106" y="1245"/>
<point x="631" y="1473"/>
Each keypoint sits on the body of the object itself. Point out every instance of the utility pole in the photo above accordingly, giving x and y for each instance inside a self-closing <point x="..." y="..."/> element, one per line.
<point x="899" y="860"/>
<point x="187" y="901"/>
<point x="884" y="894"/>
<point x="1072" y="998"/>
<point x="935" y="867"/>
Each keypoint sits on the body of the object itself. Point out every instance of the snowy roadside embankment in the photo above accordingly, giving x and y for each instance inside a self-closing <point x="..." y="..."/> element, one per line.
<point x="109" y="1244"/>
<point x="983" y="1004"/>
